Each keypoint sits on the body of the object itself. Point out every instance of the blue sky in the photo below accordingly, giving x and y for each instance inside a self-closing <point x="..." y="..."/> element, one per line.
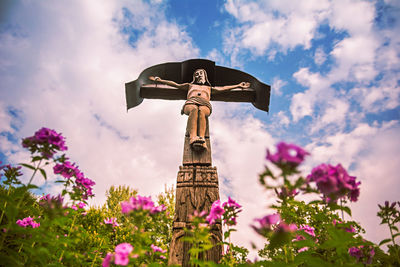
<point x="333" y="67"/>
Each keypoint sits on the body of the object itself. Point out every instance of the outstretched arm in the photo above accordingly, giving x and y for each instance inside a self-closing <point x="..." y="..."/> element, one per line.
<point x="242" y="85"/>
<point x="168" y="82"/>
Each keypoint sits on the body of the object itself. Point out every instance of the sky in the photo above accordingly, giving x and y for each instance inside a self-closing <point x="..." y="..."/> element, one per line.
<point x="333" y="67"/>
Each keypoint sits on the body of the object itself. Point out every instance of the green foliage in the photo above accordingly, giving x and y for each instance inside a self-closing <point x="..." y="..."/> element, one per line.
<point x="115" y="195"/>
<point x="312" y="233"/>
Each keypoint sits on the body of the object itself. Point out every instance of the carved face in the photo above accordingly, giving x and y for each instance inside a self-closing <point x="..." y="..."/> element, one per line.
<point x="200" y="76"/>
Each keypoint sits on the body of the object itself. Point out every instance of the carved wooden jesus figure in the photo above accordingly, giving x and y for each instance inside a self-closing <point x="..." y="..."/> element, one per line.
<point x="197" y="185"/>
<point x="197" y="105"/>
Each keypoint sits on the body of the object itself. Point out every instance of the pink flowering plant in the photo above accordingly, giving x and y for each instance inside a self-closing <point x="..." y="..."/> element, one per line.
<point x="316" y="232"/>
<point x="60" y="228"/>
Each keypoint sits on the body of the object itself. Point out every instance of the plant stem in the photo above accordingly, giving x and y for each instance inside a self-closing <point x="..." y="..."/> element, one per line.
<point x="341" y="204"/>
<point x="95" y="257"/>
<point x="34" y="172"/>
<point x="391" y="231"/>
<point x="69" y="232"/>
<point x="5" y="205"/>
<point x="19" y="202"/>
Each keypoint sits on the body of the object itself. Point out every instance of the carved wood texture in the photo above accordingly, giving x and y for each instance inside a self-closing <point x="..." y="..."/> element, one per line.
<point x="196" y="189"/>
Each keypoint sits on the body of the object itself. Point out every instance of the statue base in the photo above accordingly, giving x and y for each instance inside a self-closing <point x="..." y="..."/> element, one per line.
<point x="196" y="189"/>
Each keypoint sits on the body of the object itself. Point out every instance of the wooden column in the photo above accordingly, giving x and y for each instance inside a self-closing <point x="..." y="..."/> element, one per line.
<point x="196" y="189"/>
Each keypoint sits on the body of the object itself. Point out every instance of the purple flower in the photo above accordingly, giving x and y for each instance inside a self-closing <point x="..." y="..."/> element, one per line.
<point x="363" y="254"/>
<point x="285" y="192"/>
<point x="45" y="141"/>
<point x="10" y="171"/>
<point x="66" y="169"/>
<point x="122" y="252"/>
<point x="355" y="252"/>
<point x="157" y="249"/>
<point x="51" y="202"/>
<point x="84" y="185"/>
<point x="215" y="212"/>
<point x="288" y="156"/>
<point x="266" y="223"/>
<point x="334" y="182"/>
<point x="28" y="221"/>
<point x="287" y="228"/>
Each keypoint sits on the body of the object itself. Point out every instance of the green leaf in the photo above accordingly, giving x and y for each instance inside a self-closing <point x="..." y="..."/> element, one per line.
<point x="316" y="202"/>
<point x="335" y="206"/>
<point x="32" y="186"/>
<point x="36" y="158"/>
<point x="299" y="182"/>
<point x="278" y="239"/>
<point x="43" y="172"/>
<point x="396" y="235"/>
<point x="226" y="234"/>
<point x="28" y="166"/>
<point x="384" y="241"/>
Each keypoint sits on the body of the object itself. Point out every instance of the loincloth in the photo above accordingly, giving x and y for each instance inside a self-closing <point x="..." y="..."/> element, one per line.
<point x="199" y="101"/>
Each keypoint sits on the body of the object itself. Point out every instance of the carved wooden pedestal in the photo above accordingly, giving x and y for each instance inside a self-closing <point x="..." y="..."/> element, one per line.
<point x="196" y="189"/>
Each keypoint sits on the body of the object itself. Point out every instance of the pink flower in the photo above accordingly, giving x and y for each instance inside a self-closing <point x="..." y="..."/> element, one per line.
<point x="308" y="229"/>
<point x="28" y="221"/>
<point x="112" y="221"/>
<point x="285" y="192"/>
<point x="45" y="141"/>
<point x="231" y="203"/>
<point x="66" y="169"/>
<point x="303" y="249"/>
<point x="288" y="156"/>
<point x="122" y="252"/>
<point x="231" y="209"/>
<point x="51" y="202"/>
<point x="355" y="252"/>
<point x="284" y="227"/>
<point x="141" y="203"/>
<point x="157" y="249"/>
<point x="363" y="254"/>
<point x="334" y="182"/>
<point x="266" y="223"/>
<point x="215" y="212"/>
<point x="107" y="260"/>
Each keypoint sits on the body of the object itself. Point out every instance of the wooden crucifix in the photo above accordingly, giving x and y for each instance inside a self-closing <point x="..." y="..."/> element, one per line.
<point x="197" y="81"/>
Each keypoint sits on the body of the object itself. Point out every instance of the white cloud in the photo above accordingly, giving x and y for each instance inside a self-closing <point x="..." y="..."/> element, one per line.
<point x="303" y="103"/>
<point x="71" y="78"/>
<point x="216" y="56"/>
<point x="371" y="152"/>
<point x="355" y="17"/>
<point x="319" y="56"/>
<point x="239" y="143"/>
<point x="287" y="24"/>
<point x="69" y="74"/>
<point x="277" y="85"/>
<point x="284" y="120"/>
